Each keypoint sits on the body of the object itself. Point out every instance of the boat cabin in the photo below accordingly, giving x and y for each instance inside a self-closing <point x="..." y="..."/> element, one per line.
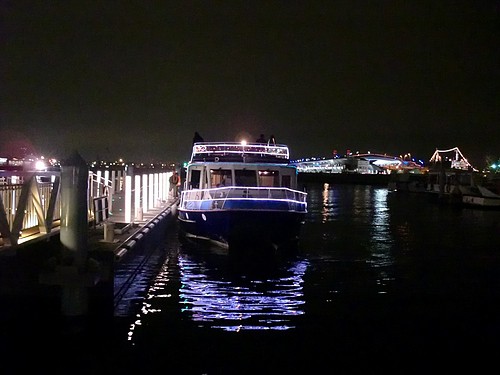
<point x="214" y="175"/>
<point x="215" y="164"/>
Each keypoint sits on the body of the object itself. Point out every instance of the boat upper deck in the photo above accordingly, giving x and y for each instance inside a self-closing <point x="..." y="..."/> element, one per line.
<point x="239" y="152"/>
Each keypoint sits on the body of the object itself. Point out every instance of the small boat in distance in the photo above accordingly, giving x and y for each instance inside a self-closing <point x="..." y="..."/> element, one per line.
<point x="242" y="195"/>
<point x="452" y="179"/>
<point x="485" y="194"/>
<point x="482" y="197"/>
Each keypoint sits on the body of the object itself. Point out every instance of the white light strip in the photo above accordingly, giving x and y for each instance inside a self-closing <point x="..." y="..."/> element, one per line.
<point x="137" y="195"/>
<point x="156" y="190"/>
<point x="151" y="191"/>
<point x="128" y="199"/>
<point x="145" y="206"/>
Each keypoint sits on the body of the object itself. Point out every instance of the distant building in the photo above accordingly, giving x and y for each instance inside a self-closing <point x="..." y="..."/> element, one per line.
<point x="362" y="164"/>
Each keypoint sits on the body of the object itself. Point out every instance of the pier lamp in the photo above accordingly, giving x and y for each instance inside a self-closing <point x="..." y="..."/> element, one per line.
<point x="137" y="197"/>
<point x="145" y="201"/>
<point x="128" y="199"/>
<point x="151" y="196"/>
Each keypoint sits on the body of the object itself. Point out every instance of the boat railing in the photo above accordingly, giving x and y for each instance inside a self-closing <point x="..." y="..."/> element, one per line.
<point x="236" y="197"/>
<point x="213" y="150"/>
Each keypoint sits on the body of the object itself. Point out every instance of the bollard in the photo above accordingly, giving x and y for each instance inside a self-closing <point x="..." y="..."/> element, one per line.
<point x="139" y="215"/>
<point x="74" y="220"/>
<point x="74" y="278"/>
<point x="109" y="231"/>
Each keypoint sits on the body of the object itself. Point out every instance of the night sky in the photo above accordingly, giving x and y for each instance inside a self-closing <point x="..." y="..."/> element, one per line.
<point x="135" y="80"/>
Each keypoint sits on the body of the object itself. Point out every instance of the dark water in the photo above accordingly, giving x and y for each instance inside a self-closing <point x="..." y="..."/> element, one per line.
<point x="382" y="282"/>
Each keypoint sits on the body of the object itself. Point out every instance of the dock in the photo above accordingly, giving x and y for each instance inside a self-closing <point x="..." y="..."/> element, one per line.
<point x="29" y="284"/>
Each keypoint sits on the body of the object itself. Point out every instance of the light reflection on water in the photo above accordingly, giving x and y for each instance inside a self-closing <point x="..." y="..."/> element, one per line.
<point x="241" y="302"/>
<point x="154" y="299"/>
<point x="356" y="227"/>
<point x="220" y="292"/>
<point x="379" y="275"/>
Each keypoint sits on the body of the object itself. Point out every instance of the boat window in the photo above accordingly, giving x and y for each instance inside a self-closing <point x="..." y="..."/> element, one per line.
<point x="269" y="178"/>
<point x="286" y="181"/>
<point x="220" y="177"/>
<point x="194" y="181"/>
<point x="245" y="177"/>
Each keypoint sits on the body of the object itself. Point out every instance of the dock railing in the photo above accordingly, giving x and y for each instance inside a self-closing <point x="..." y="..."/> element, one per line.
<point x="30" y="205"/>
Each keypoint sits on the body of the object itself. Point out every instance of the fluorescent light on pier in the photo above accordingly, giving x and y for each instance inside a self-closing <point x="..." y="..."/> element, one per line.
<point x="128" y="199"/>
<point x="151" y="191"/>
<point x="156" y="190"/>
<point x="137" y="196"/>
<point x="145" y="193"/>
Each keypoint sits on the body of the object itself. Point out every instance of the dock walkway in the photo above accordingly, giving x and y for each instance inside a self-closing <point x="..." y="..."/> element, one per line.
<point x="21" y="287"/>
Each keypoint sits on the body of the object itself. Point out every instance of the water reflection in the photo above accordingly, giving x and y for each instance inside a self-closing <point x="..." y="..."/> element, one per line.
<point x="380" y="232"/>
<point x="356" y="227"/>
<point x="241" y="294"/>
<point x="381" y="241"/>
<point x="330" y="205"/>
<point x="389" y="276"/>
<point x="219" y="291"/>
<point x="156" y="298"/>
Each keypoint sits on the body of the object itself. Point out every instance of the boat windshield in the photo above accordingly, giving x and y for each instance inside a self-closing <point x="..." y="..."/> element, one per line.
<point x="269" y="178"/>
<point x="221" y="177"/>
<point x="245" y="178"/>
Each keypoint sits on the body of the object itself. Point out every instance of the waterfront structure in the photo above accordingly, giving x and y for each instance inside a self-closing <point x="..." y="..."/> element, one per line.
<point x="30" y="204"/>
<point x="359" y="163"/>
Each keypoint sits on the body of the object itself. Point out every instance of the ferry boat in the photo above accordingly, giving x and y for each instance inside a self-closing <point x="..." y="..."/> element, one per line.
<point x="240" y="195"/>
